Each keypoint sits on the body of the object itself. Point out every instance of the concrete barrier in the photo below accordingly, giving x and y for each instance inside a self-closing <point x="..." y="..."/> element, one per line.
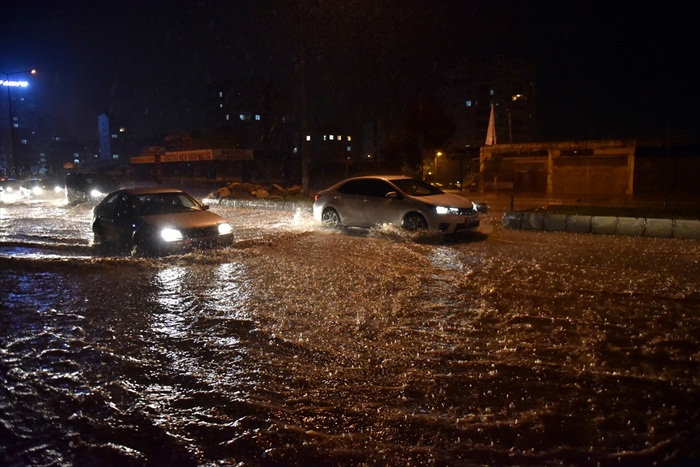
<point x="686" y="229"/>
<point x="578" y="224"/>
<point x="630" y="226"/>
<point x="533" y="221"/>
<point x="555" y="222"/>
<point x="658" y="228"/>
<point x="512" y="220"/>
<point x="604" y="225"/>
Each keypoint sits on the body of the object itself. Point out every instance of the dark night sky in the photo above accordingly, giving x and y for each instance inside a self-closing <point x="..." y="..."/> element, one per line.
<point x="605" y="69"/>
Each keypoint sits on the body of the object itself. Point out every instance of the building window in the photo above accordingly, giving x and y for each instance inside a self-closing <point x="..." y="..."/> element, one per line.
<point x="331" y="137"/>
<point x="349" y="138"/>
<point x="308" y="137"/>
<point x="469" y="103"/>
<point x="348" y="148"/>
<point x="257" y="117"/>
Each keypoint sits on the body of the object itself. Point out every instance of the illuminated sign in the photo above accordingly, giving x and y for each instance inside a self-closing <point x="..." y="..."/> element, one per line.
<point x="14" y="84"/>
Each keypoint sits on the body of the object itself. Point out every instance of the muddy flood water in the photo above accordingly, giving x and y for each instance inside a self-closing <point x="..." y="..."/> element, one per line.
<point x="303" y="346"/>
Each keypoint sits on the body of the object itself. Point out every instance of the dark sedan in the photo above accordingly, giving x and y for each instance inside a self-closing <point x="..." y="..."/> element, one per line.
<point x="157" y="221"/>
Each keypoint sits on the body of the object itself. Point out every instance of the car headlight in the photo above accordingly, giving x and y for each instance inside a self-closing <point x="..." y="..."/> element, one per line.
<point x="445" y="210"/>
<point x="225" y="228"/>
<point x="171" y="235"/>
<point x="58" y="188"/>
<point x="96" y="193"/>
<point x="37" y="190"/>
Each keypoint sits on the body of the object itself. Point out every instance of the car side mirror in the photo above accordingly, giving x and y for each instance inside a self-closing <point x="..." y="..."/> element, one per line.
<point x="392" y="195"/>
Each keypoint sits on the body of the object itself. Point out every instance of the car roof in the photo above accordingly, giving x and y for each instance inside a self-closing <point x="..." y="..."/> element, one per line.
<point x="382" y="177"/>
<point x="151" y="190"/>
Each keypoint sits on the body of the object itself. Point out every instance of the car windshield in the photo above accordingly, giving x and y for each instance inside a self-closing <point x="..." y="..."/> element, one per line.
<point x="165" y="203"/>
<point x="416" y="187"/>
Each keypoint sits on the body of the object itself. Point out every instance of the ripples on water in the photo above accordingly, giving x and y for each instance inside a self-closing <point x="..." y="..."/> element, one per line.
<point x="300" y="346"/>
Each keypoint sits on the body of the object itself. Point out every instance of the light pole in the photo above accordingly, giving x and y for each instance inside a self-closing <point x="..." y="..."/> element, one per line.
<point x="12" y="84"/>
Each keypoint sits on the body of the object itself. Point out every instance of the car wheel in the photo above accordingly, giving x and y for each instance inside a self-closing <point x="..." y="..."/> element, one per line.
<point x="330" y="218"/>
<point x="98" y="240"/>
<point x="414" y="221"/>
<point x="140" y="247"/>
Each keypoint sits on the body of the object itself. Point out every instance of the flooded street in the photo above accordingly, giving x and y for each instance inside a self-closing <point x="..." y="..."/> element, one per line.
<point x="303" y="346"/>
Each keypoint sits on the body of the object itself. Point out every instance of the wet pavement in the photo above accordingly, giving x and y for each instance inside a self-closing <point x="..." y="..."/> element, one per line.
<point x="300" y="345"/>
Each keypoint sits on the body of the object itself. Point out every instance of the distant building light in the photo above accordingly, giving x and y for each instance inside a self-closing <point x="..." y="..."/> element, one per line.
<point x="308" y="137"/>
<point x="115" y="156"/>
<point x="348" y="148"/>
<point x="114" y="136"/>
<point x="257" y="117"/>
<point x="331" y="137"/>
<point x="517" y="97"/>
<point x="469" y="103"/>
<point x="122" y="130"/>
<point x="228" y="117"/>
<point x="340" y="137"/>
<point x="349" y="138"/>
<point x="14" y="84"/>
<point x="221" y="94"/>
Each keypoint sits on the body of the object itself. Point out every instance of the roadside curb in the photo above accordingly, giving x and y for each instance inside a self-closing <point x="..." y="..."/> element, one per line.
<point x="605" y="225"/>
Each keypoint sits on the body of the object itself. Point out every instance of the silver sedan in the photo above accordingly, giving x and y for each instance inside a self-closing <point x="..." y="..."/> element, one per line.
<point x="394" y="199"/>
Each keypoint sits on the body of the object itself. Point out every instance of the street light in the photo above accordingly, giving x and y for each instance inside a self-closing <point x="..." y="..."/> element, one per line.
<point x="13" y="84"/>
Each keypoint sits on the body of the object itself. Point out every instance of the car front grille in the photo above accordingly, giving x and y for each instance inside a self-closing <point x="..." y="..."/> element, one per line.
<point x="212" y="231"/>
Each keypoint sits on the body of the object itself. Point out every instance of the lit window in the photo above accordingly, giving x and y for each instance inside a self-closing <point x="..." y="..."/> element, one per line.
<point x="228" y="117"/>
<point x="348" y="148"/>
<point x="308" y="137"/>
<point x="115" y="156"/>
<point x="491" y="92"/>
<point x="23" y="141"/>
<point x="221" y="106"/>
<point x="257" y="117"/>
<point x="469" y="103"/>
<point x="325" y="137"/>
<point x="221" y="94"/>
<point x="331" y="137"/>
<point x="114" y="136"/>
<point x="339" y="137"/>
<point x="349" y="138"/>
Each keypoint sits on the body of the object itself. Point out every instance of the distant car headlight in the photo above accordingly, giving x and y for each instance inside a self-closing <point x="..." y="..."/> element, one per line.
<point x="225" y="228"/>
<point x="37" y="190"/>
<point x="9" y="189"/>
<point x="58" y="188"/>
<point x="95" y="193"/>
<point x="171" y="235"/>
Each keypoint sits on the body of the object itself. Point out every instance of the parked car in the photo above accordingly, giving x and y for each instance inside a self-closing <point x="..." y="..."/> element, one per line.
<point x="397" y="200"/>
<point x="89" y="186"/>
<point x="153" y="221"/>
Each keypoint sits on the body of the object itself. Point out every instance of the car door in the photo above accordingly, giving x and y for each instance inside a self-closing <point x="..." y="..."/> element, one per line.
<point x="379" y="206"/>
<point x="117" y="218"/>
<point x="349" y="202"/>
